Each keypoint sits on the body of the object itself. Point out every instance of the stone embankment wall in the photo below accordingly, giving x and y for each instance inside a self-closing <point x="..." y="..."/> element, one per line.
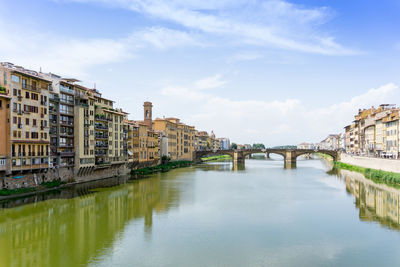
<point x="389" y="165"/>
<point x="67" y="175"/>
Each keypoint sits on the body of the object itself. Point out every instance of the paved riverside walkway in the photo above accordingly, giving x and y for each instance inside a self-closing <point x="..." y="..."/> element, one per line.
<point x="390" y="165"/>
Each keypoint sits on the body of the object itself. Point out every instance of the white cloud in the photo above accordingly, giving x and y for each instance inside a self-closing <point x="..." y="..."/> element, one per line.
<point x="210" y="82"/>
<point x="274" y="122"/>
<point x="246" y="56"/>
<point x="273" y="23"/>
<point x="73" y="56"/>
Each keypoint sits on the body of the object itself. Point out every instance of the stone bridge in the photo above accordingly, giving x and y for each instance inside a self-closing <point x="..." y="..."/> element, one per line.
<point x="289" y="155"/>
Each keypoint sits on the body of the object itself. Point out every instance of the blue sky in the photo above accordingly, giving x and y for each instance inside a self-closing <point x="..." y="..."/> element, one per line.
<point x="272" y="71"/>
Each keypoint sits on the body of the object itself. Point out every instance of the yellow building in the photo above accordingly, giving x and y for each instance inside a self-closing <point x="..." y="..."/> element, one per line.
<point x="181" y="137"/>
<point x="133" y="142"/>
<point x="391" y="137"/>
<point x="29" y="129"/>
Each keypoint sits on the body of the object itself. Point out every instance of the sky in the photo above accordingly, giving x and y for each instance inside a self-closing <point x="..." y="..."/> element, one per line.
<point x="276" y="72"/>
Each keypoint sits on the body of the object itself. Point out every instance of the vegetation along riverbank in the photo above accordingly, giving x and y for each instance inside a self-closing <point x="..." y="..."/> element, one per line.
<point x="23" y="190"/>
<point x="162" y="167"/>
<point x="219" y="158"/>
<point x="378" y="176"/>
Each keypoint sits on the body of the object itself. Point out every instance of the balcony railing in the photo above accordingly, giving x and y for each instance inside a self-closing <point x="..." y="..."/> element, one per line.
<point x="70" y="123"/>
<point x="102" y="118"/>
<point x="30" y="87"/>
<point x="99" y="136"/>
<point x="67" y="90"/>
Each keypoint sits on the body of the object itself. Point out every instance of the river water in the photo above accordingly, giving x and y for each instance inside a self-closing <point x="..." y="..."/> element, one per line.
<point x="209" y="215"/>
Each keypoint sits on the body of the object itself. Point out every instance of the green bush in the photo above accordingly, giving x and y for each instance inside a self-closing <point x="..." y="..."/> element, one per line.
<point x="8" y="192"/>
<point x="54" y="183"/>
<point x="162" y="167"/>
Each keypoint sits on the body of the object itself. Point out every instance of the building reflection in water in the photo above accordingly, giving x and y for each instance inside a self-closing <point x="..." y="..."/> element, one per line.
<point x="72" y="231"/>
<point x="376" y="202"/>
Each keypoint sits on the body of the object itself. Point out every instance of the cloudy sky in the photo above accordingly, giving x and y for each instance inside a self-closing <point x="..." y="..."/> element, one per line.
<point x="271" y="71"/>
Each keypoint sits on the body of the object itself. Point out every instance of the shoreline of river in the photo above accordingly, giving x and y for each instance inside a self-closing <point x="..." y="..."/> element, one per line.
<point x="137" y="174"/>
<point x="377" y="176"/>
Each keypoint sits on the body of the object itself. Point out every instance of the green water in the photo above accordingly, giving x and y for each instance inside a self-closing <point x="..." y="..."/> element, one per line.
<point x="211" y="215"/>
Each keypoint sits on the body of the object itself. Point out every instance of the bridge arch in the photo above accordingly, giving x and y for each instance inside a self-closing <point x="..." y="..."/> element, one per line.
<point x="331" y="153"/>
<point x="202" y="154"/>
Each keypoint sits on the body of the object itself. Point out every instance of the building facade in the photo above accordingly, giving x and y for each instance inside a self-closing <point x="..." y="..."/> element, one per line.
<point x="29" y="135"/>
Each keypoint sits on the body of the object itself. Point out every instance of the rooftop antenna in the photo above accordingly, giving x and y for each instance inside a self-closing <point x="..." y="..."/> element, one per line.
<point x="40" y="70"/>
<point x="94" y="85"/>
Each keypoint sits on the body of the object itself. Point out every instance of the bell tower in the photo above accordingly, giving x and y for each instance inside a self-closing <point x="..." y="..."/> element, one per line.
<point x="148" y="113"/>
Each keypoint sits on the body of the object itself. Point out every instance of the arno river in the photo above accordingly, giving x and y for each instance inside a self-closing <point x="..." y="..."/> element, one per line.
<point x="210" y="215"/>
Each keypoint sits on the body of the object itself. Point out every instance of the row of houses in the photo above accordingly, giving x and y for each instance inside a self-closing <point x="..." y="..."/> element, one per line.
<point x="374" y="132"/>
<point x="331" y="142"/>
<point x="51" y="122"/>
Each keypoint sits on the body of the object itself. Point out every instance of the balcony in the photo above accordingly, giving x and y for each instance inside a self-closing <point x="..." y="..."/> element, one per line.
<point x="65" y="112"/>
<point x="54" y="99"/>
<point x="101" y="145"/>
<point x="65" y="101"/>
<point x="101" y="136"/>
<point x="66" y="145"/>
<point x="67" y="90"/>
<point x="101" y="127"/>
<point x="3" y="90"/>
<point x="67" y="123"/>
<point x="67" y="154"/>
<point x="79" y="94"/>
<point x="19" y="98"/>
<point x="101" y="117"/>
<point x="31" y="88"/>
<point x="70" y="134"/>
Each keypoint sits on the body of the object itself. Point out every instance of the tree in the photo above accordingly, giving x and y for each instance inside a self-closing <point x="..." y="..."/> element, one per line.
<point x="258" y="146"/>
<point x="233" y="146"/>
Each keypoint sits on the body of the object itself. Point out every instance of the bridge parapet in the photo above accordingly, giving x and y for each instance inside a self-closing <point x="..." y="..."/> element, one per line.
<point x="289" y="155"/>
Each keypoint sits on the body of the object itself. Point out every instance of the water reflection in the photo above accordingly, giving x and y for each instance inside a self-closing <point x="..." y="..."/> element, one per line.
<point x="376" y="202"/>
<point x="238" y="167"/>
<point x="71" y="232"/>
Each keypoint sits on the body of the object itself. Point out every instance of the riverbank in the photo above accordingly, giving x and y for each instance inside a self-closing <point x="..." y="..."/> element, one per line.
<point x="24" y="190"/>
<point x="378" y="176"/>
<point x="162" y="167"/>
<point x="388" y="165"/>
<point x="219" y="158"/>
<point x="6" y="194"/>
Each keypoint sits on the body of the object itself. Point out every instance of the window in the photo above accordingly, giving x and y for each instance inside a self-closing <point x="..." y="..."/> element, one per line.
<point x="5" y="78"/>
<point x="34" y="96"/>
<point x="27" y="121"/>
<point x="34" y="122"/>
<point x="34" y="135"/>
<point x="27" y="95"/>
<point x="15" y="92"/>
<point x="27" y="135"/>
<point x="14" y="78"/>
<point x="24" y="83"/>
